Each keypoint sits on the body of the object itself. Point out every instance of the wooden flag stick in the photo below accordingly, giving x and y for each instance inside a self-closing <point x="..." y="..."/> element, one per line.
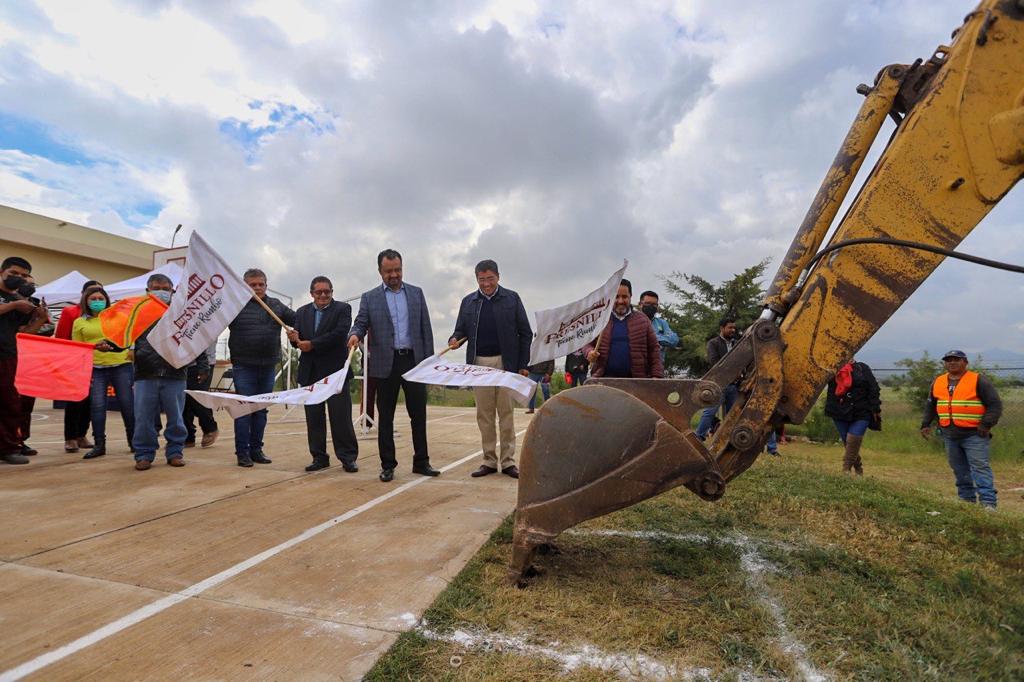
<point x="270" y="312"/>
<point x="461" y="342"/>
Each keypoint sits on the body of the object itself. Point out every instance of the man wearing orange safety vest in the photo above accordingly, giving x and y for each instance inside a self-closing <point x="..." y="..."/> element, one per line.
<point x="967" y="407"/>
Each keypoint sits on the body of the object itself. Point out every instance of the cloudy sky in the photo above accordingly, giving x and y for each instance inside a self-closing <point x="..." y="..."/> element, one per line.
<point x="555" y="137"/>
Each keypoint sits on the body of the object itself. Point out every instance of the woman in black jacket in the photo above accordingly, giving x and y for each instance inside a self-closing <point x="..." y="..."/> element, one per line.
<point x="854" y="402"/>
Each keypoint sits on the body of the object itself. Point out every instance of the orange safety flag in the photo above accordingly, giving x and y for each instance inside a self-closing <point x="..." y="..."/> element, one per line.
<point x="125" y="321"/>
<point x="53" y="369"/>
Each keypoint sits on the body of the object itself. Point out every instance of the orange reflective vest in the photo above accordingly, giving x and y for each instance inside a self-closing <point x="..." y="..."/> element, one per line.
<point x="964" y="407"/>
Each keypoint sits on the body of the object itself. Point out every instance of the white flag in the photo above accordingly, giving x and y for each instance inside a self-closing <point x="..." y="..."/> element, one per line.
<point x="208" y="298"/>
<point x="436" y="370"/>
<point x="241" y="405"/>
<point x="566" y="329"/>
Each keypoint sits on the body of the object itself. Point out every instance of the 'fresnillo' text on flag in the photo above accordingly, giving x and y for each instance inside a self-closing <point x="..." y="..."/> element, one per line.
<point x="568" y="328"/>
<point x="241" y="405"/>
<point x="436" y="370"/>
<point x="208" y="298"/>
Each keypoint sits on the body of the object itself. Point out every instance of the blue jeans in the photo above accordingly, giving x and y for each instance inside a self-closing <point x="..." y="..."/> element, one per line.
<point x="545" y="388"/>
<point x="968" y="457"/>
<point x="153" y="396"/>
<point x="855" y="428"/>
<point x="729" y="396"/>
<point x="120" y="377"/>
<point x="251" y="380"/>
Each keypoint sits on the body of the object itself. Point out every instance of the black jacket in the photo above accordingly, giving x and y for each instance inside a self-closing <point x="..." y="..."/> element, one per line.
<point x="576" y="363"/>
<point x="862" y="400"/>
<point x="255" y="337"/>
<point x="329" y="342"/>
<point x="514" y="332"/>
<point x="717" y="348"/>
<point x="151" y="365"/>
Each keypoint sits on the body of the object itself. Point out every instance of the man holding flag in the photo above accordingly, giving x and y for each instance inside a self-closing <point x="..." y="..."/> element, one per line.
<point x="320" y="331"/>
<point x="159" y="387"/>
<point x="628" y="346"/>
<point x="210" y="297"/>
<point x="494" y="321"/>
<point x="16" y="313"/>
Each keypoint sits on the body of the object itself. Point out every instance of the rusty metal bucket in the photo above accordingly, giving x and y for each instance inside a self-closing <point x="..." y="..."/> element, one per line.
<point x="596" y="449"/>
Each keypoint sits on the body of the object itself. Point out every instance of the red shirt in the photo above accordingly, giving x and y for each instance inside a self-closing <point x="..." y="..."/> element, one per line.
<point x="67" y="321"/>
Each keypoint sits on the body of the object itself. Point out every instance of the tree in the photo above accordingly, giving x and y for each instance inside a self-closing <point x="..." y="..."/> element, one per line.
<point x="700" y="305"/>
<point x="915" y="385"/>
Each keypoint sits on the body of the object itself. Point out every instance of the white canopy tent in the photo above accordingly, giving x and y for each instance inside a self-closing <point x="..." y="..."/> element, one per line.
<point x="67" y="289"/>
<point x="136" y="286"/>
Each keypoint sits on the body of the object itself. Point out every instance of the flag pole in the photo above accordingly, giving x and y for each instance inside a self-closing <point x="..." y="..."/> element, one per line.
<point x="269" y="311"/>
<point x="448" y="348"/>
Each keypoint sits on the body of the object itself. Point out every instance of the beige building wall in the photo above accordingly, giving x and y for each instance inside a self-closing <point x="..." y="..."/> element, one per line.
<point x="55" y="247"/>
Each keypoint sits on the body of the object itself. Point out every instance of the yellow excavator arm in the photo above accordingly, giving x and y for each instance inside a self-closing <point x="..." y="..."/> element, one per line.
<point x="957" y="150"/>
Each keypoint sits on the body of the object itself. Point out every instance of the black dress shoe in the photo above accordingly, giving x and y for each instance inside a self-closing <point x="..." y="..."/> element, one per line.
<point x="512" y="471"/>
<point x="387" y="475"/>
<point x="350" y="467"/>
<point x="258" y="457"/>
<point x="484" y="470"/>
<point x="317" y="465"/>
<point x="28" y="451"/>
<point x="426" y="470"/>
<point x="244" y="461"/>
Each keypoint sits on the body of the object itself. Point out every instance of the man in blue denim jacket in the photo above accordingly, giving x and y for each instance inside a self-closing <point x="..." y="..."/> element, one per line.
<point x="666" y="337"/>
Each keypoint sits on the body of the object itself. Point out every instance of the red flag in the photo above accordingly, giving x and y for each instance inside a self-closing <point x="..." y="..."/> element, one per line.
<point x="53" y="369"/>
<point x="125" y="321"/>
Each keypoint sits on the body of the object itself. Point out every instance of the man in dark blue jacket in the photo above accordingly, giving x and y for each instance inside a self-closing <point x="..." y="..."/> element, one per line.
<point x="493" y="321"/>
<point x="255" y="346"/>
<point x="320" y="333"/>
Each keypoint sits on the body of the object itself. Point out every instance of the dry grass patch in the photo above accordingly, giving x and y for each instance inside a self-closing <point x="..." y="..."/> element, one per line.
<point x="796" y="571"/>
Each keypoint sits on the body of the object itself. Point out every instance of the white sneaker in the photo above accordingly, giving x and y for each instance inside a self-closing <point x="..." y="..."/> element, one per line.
<point x="988" y="507"/>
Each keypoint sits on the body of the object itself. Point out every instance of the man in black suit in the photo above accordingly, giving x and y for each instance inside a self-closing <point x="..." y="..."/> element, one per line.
<point x="320" y="330"/>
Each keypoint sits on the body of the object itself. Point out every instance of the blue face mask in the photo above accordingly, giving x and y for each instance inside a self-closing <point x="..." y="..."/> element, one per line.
<point x="164" y="296"/>
<point x="97" y="306"/>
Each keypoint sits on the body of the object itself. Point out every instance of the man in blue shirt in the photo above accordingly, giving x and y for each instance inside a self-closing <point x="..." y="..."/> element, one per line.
<point x="396" y="318"/>
<point x="666" y="337"/>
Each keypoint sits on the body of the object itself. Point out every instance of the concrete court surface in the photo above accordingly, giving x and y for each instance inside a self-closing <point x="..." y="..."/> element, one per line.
<point x="213" y="571"/>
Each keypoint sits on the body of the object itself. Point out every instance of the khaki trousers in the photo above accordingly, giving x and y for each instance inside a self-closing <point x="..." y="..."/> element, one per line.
<point x="491" y="400"/>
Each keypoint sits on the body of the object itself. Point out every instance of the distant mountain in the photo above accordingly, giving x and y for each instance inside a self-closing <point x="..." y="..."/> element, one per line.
<point x="886" y="358"/>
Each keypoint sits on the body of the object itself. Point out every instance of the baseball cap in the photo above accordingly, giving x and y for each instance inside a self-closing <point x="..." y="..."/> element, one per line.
<point x="955" y="354"/>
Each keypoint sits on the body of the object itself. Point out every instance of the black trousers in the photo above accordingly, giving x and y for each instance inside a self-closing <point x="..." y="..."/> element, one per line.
<point x="10" y="408"/>
<point x="343" y="434"/>
<point x="76" y="419"/>
<point x="415" y="405"/>
<point x="194" y="409"/>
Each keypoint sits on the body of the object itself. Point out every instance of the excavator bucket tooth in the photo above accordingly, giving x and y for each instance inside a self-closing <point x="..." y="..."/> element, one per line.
<point x="591" y="451"/>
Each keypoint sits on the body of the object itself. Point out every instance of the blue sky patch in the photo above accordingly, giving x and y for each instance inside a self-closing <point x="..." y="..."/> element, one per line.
<point x="281" y="117"/>
<point x="37" y="139"/>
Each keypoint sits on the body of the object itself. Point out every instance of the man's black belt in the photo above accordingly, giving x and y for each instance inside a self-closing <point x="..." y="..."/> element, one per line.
<point x="403" y="351"/>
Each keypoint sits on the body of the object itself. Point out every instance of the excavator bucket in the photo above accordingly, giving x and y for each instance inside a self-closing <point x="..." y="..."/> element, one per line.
<point x="612" y="443"/>
<point x="595" y="449"/>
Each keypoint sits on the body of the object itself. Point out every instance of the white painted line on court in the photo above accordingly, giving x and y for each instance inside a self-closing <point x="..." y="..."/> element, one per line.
<point x="141" y="614"/>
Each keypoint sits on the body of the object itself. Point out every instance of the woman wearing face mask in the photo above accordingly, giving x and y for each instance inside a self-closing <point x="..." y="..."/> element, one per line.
<point x="110" y="367"/>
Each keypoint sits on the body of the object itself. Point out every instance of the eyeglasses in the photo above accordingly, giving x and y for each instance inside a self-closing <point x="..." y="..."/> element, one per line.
<point x="322" y="292"/>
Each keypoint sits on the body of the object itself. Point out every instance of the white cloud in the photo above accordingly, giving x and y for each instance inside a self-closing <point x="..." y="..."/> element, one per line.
<point x="555" y="137"/>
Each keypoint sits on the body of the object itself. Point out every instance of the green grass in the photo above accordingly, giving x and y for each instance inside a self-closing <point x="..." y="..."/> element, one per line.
<point x="869" y="579"/>
<point x="901" y="425"/>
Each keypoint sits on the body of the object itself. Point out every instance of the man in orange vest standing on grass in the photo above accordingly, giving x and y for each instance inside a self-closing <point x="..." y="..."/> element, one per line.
<point x="967" y="407"/>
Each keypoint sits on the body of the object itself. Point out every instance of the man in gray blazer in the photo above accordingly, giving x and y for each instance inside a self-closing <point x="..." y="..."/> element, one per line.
<point x="396" y="317"/>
